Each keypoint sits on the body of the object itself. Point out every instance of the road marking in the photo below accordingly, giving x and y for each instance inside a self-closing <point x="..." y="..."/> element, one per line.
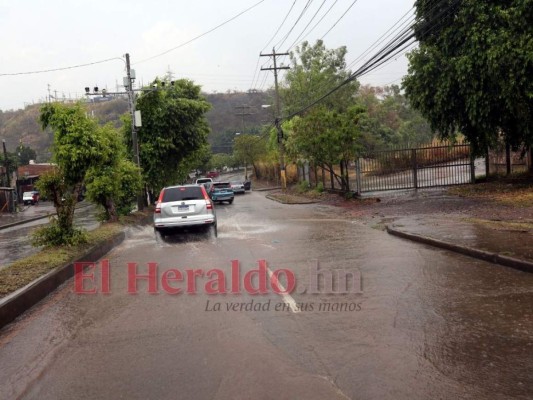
<point x="287" y="298"/>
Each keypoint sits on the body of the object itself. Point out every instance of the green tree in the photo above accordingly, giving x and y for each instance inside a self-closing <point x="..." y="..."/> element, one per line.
<point x="472" y="70"/>
<point x="174" y="127"/>
<point x="249" y="149"/>
<point x="327" y="138"/>
<point x="115" y="182"/>
<point x="219" y="161"/>
<point x="390" y="120"/>
<point x="25" y="154"/>
<point x="79" y="144"/>
<point x="314" y="71"/>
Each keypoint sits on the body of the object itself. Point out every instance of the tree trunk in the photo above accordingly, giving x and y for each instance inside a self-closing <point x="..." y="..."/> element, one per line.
<point x="111" y="210"/>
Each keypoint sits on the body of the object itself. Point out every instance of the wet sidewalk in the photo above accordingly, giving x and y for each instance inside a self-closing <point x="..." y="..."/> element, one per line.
<point x="505" y="239"/>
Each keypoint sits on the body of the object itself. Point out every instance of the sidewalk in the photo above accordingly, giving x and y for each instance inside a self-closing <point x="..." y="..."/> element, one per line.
<point x="507" y="243"/>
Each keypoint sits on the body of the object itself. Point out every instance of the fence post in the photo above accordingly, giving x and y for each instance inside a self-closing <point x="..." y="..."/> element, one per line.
<point x="415" y="168"/>
<point x="472" y="166"/>
<point x="358" y="176"/>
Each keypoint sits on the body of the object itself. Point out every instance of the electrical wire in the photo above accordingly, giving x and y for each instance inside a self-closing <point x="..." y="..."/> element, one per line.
<point x="309" y="23"/>
<point x="392" y="49"/>
<point x="382" y="38"/>
<point x="61" y="68"/>
<point x="319" y="21"/>
<point x="280" y="43"/>
<point x="341" y="17"/>
<point x="279" y="28"/>
<point x="256" y="70"/>
<point x="202" y="34"/>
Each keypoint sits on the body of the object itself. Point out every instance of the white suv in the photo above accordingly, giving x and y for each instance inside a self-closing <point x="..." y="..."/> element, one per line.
<point x="184" y="206"/>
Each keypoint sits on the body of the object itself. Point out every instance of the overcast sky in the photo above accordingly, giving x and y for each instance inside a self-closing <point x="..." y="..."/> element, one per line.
<point x="47" y="34"/>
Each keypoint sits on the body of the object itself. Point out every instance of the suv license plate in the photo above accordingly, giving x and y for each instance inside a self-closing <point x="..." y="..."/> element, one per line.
<point x="183" y="208"/>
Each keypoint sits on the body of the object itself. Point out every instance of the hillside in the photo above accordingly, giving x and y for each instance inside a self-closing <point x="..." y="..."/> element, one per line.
<point x="23" y="125"/>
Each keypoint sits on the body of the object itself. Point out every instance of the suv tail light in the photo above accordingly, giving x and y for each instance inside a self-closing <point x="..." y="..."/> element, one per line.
<point x="158" y="204"/>
<point x="209" y="203"/>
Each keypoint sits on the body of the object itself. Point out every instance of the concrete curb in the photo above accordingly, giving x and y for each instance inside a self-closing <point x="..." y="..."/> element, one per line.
<point x="495" y="258"/>
<point x="16" y="303"/>
<point x="267" y="189"/>
<point x="270" y="197"/>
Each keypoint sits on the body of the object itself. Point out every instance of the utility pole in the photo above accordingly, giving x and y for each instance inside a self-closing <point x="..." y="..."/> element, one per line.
<point x="135" y="145"/>
<point x="49" y="95"/>
<point x="6" y="164"/>
<point x="243" y="114"/>
<point x="281" y="145"/>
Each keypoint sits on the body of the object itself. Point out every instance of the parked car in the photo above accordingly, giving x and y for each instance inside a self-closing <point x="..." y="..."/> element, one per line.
<point x="184" y="206"/>
<point x="221" y="191"/>
<point x="237" y="187"/>
<point x="247" y="185"/>
<point x="213" y="174"/>
<point x="30" y="197"/>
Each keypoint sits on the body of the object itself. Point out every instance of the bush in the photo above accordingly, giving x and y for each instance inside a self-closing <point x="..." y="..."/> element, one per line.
<point x="319" y="187"/>
<point x="52" y="235"/>
<point x="303" y="186"/>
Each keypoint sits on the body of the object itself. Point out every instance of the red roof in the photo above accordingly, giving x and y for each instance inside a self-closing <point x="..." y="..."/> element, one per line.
<point x="35" y="169"/>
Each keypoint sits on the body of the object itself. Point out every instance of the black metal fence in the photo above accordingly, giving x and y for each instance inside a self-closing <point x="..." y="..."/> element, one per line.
<point x="414" y="168"/>
<point x="397" y="169"/>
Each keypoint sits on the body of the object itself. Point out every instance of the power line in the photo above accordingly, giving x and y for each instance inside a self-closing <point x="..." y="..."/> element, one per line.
<point x="202" y="34"/>
<point x="383" y="37"/>
<point x="256" y="70"/>
<point x="395" y="46"/>
<point x="309" y="23"/>
<point x="341" y="17"/>
<point x="319" y="21"/>
<point x="277" y="31"/>
<point x="61" y="68"/>
<point x="280" y="43"/>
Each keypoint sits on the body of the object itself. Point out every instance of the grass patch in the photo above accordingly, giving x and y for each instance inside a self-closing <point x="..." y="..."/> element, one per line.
<point x="24" y="271"/>
<point x="517" y="193"/>
<point x="288" y="198"/>
<point x="514" y="226"/>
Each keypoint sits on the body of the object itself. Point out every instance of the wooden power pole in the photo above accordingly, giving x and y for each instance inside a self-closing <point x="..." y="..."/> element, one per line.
<point x="281" y="145"/>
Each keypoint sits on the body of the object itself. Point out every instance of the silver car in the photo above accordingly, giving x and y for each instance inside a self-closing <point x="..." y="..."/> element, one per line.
<point x="184" y="206"/>
<point x="237" y="187"/>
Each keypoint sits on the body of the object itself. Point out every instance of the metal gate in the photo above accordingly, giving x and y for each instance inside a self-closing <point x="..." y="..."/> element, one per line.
<point x="415" y="168"/>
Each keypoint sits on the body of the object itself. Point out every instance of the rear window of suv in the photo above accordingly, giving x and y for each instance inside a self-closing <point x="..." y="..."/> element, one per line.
<point x="182" y="193"/>
<point x="221" y="185"/>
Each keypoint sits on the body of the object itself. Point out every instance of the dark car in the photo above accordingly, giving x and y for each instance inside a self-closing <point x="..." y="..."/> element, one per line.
<point x="247" y="185"/>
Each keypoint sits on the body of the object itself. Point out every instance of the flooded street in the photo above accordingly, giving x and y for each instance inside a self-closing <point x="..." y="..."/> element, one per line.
<point x="15" y="242"/>
<point x="408" y="321"/>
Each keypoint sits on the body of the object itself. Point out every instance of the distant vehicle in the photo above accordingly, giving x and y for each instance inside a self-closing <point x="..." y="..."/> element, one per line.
<point x="237" y="187"/>
<point x="184" y="206"/>
<point x="203" y="180"/>
<point x="247" y="185"/>
<point x="30" y="197"/>
<point x="213" y="174"/>
<point x="221" y="191"/>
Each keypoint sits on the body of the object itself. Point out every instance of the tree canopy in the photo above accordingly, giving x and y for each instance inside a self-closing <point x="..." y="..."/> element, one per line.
<point x="314" y="71"/>
<point x="472" y="71"/>
<point x="79" y="144"/>
<point x="173" y="127"/>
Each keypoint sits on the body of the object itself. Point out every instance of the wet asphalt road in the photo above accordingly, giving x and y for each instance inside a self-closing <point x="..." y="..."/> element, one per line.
<point x="15" y="242"/>
<point x="428" y="324"/>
